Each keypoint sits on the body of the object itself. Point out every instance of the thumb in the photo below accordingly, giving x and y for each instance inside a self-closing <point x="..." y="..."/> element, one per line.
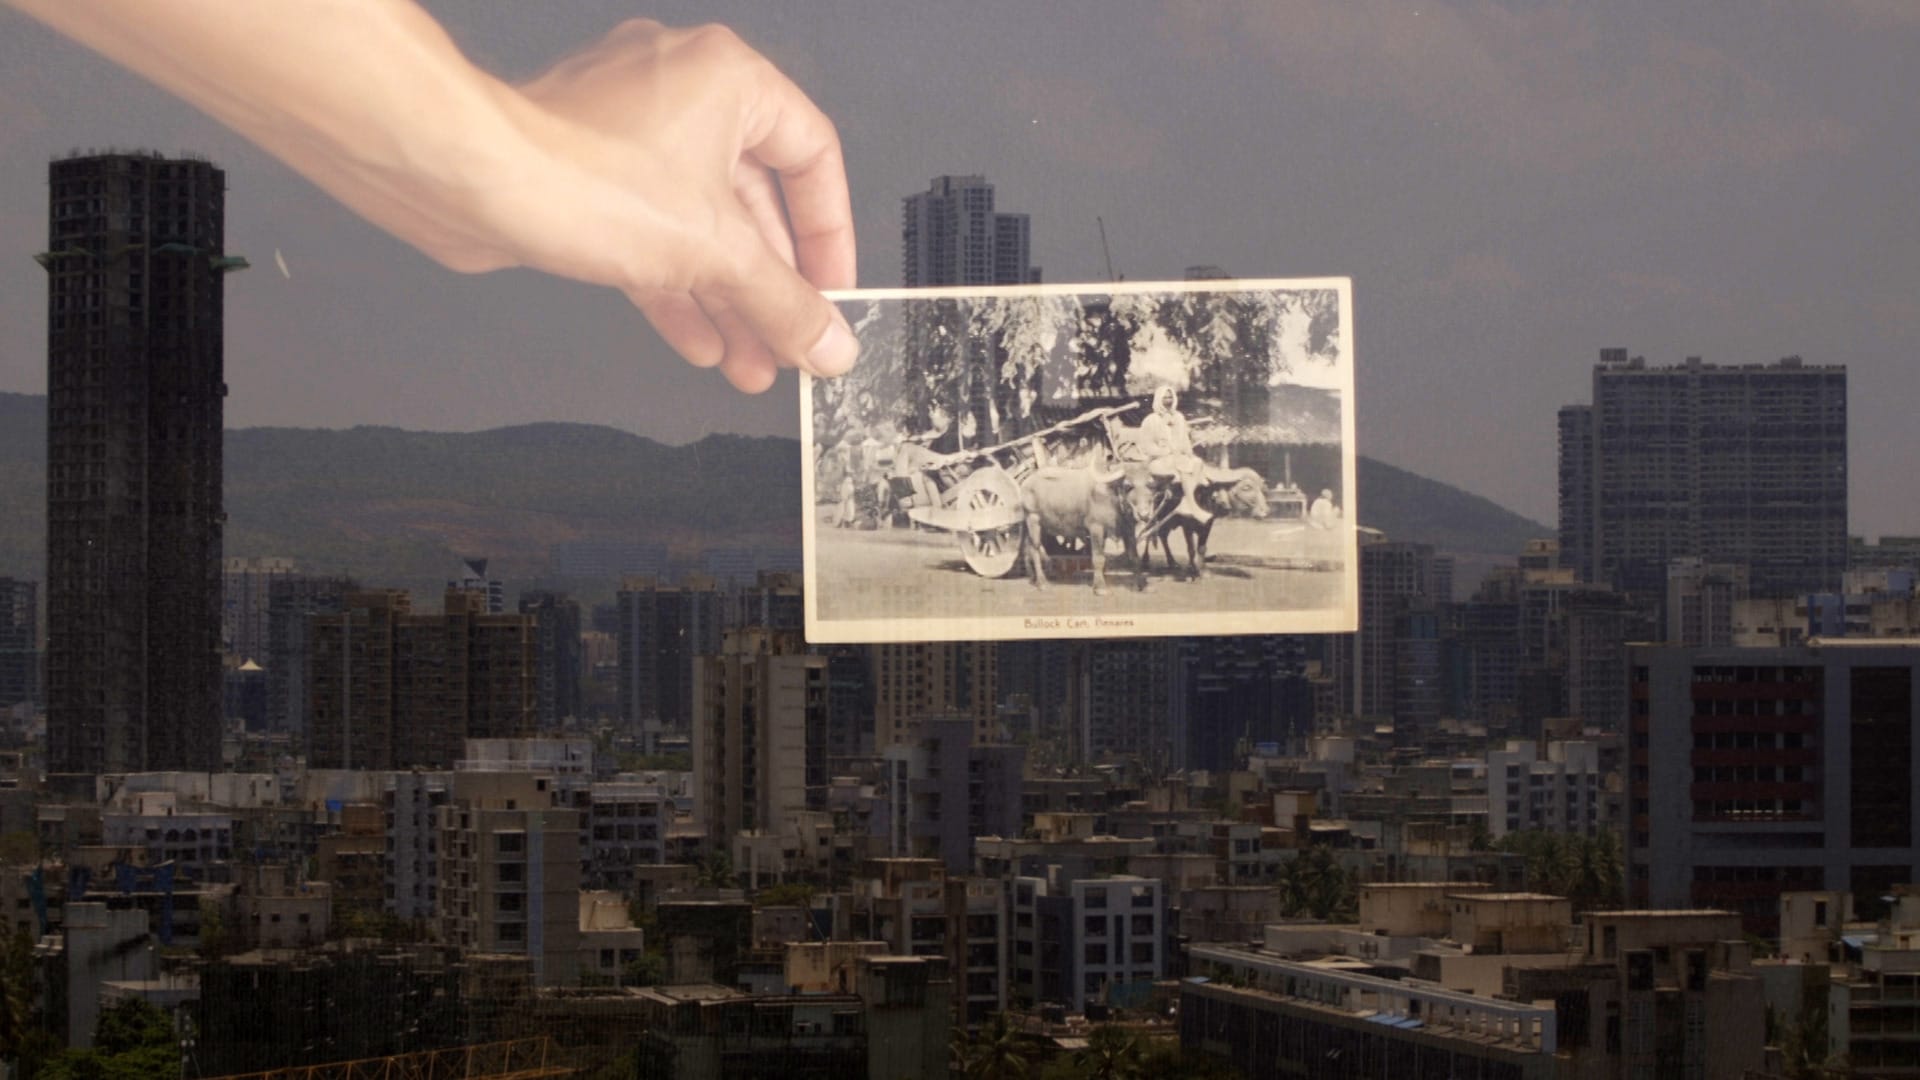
<point x="799" y="326"/>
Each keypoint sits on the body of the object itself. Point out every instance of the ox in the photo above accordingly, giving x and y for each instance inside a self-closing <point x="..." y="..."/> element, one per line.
<point x="1073" y="503"/>
<point x="1240" y="494"/>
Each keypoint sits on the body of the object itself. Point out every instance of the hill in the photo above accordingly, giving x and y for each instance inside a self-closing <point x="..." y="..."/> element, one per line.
<point x="401" y="507"/>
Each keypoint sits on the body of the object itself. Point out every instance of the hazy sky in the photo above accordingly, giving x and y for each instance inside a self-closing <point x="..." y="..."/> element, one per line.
<point x="1512" y="186"/>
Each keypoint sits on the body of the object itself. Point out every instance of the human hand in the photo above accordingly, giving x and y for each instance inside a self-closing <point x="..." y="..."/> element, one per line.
<point x="690" y="173"/>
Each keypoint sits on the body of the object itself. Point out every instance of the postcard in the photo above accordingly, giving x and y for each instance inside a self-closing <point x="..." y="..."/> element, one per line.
<point x="1057" y="461"/>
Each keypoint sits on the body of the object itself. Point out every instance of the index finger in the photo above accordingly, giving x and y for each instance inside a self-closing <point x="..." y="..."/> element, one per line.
<point x="789" y="134"/>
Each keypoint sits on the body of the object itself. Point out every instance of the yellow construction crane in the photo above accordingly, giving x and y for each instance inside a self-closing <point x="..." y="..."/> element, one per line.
<point x="515" y="1059"/>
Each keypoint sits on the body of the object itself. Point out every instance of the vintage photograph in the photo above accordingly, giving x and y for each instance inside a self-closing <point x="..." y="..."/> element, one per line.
<point x="1134" y="459"/>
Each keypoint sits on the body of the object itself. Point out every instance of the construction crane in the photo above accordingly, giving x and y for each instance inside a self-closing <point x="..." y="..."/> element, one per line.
<point x="515" y="1059"/>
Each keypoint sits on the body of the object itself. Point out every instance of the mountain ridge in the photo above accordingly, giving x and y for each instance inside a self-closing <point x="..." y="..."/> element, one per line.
<point x="397" y="506"/>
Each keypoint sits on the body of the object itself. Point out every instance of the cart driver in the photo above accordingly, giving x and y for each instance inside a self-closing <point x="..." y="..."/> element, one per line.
<point x="1166" y="442"/>
<point x="928" y="450"/>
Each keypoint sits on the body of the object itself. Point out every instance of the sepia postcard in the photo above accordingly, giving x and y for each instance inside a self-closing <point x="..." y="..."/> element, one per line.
<point x="1058" y="461"/>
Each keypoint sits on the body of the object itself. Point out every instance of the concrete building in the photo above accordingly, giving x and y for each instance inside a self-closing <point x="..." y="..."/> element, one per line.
<point x="1732" y="464"/>
<point x="913" y="907"/>
<point x="101" y="944"/>
<point x="1400" y="582"/>
<point x="278" y="909"/>
<point x="510" y="872"/>
<point x="246" y="591"/>
<point x="914" y="681"/>
<point x="135" y="397"/>
<point x="1562" y="792"/>
<point x="609" y="942"/>
<point x="759" y="734"/>
<point x="291" y="602"/>
<point x="556" y="657"/>
<point x="412" y="869"/>
<point x="395" y="690"/>
<point x="627" y="826"/>
<point x="951" y="235"/>
<point x="19" y="642"/>
<point x="1351" y="1023"/>
<point x="1759" y="771"/>
<point x="893" y="1021"/>
<point x="1125" y="698"/>
<point x="943" y="790"/>
<point x="1701" y="600"/>
<point x="663" y="627"/>
<point x="1099" y="941"/>
<point x="773" y="600"/>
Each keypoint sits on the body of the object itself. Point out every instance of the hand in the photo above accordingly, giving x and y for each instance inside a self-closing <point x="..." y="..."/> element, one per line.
<point x="726" y="198"/>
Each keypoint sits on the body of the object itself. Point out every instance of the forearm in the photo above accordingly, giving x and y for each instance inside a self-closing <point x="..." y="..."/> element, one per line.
<point x="365" y="97"/>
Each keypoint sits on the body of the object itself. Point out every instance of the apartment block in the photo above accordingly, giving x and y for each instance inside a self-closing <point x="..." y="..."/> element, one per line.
<point x="760" y="709"/>
<point x="1097" y="940"/>
<point x="510" y="872"/>
<point x="1764" y="770"/>
<point x="395" y="690"/>
<point x="1741" y="464"/>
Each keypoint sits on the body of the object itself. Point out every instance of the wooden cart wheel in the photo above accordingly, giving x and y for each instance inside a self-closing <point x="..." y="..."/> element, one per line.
<point x="991" y="553"/>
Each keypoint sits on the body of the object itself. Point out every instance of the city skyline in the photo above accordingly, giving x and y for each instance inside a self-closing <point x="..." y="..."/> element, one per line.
<point x="1511" y="189"/>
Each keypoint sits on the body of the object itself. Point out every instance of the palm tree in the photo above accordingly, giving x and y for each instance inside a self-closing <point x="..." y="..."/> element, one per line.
<point x="1314" y="883"/>
<point x="998" y="1051"/>
<point x="1111" y="1053"/>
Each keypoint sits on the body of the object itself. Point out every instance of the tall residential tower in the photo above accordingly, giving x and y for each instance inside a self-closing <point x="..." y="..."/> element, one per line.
<point x="1743" y="464"/>
<point x="951" y="235"/>
<point x="134" y="410"/>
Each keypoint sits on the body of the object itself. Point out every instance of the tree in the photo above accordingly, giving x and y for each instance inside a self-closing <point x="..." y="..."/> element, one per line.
<point x="998" y="1051"/>
<point x="647" y="969"/>
<point x="1804" y="1046"/>
<point x="1111" y="1053"/>
<point x="786" y="894"/>
<point x="716" y="872"/>
<point x="22" y="1038"/>
<point x="133" y="1041"/>
<point x="1585" y="869"/>
<point x="1315" y="885"/>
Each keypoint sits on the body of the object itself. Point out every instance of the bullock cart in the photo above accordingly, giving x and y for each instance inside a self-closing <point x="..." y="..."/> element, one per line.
<point x="978" y="490"/>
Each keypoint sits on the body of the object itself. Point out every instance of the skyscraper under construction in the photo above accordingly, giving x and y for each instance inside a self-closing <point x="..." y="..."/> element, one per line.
<point x="135" y="385"/>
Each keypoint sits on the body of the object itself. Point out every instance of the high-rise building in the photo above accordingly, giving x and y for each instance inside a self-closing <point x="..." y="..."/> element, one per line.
<point x="395" y="690"/>
<point x="759" y="733"/>
<point x="1230" y="695"/>
<point x="775" y="600"/>
<point x="1398" y="579"/>
<point x="952" y="235"/>
<point x="246" y="594"/>
<point x="1125" y="699"/>
<point x="556" y="656"/>
<point x="1767" y="770"/>
<point x="134" y="408"/>
<point x="663" y="627"/>
<point x="1744" y="464"/>
<point x="918" y="680"/>
<point x="291" y="601"/>
<point x="19" y="641"/>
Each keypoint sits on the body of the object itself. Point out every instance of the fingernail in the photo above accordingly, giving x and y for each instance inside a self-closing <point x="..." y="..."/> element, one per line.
<point x="836" y="350"/>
